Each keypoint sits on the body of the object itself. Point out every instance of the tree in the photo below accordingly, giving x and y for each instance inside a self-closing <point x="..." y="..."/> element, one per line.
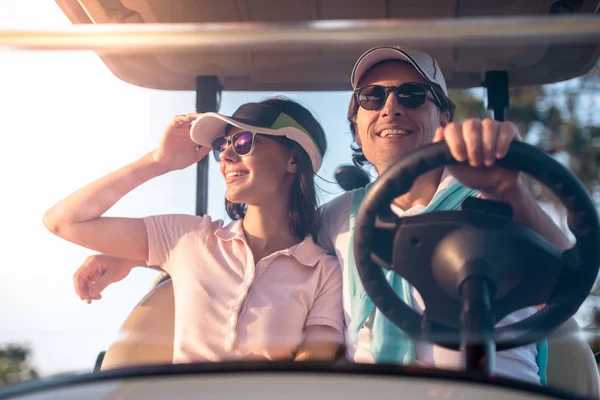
<point x="15" y="365"/>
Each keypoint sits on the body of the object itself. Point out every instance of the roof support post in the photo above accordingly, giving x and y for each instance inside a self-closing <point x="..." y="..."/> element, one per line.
<point x="208" y="99"/>
<point x="496" y="83"/>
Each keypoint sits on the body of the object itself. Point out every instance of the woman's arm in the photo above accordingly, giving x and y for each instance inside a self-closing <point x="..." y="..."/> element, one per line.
<point x="324" y="328"/>
<point x="321" y="343"/>
<point x="78" y="217"/>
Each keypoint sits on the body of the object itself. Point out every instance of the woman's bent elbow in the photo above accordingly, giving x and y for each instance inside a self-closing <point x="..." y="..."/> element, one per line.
<point x="51" y="222"/>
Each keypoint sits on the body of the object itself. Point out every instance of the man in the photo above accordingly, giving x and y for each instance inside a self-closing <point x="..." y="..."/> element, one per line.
<point x="400" y="102"/>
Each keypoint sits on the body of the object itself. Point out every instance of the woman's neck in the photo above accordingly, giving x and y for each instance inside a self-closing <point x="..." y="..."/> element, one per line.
<point x="267" y="229"/>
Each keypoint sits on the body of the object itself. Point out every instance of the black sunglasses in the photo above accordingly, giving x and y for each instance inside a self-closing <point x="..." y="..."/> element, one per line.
<point x="242" y="141"/>
<point x="409" y="95"/>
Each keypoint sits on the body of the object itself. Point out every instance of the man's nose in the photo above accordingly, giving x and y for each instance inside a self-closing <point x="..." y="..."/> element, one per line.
<point x="392" y="108"/>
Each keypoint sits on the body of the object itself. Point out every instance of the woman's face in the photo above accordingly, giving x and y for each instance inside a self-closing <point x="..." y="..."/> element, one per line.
<point x="260" y="177"/>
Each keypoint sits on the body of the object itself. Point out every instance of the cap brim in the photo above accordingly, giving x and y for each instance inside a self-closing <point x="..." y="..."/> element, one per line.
<point x="379" y="54"/>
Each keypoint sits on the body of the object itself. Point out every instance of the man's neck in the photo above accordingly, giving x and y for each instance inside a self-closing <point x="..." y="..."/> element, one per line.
<point x="264" y="231"/>
<point x="422" y="191"/>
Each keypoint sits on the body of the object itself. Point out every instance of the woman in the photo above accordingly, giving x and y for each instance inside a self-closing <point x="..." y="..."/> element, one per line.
<point x="258" y="287"/>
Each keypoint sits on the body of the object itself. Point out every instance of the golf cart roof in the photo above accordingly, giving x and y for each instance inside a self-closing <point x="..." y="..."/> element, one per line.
<point x="322" y="67"/>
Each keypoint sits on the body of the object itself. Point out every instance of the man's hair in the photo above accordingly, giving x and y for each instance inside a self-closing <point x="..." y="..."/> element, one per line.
<point x="303" y="214"/>
<point x="358" y="157"/>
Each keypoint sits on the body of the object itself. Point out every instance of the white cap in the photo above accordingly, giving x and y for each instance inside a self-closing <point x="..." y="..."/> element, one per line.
<point x="424" y="63"/>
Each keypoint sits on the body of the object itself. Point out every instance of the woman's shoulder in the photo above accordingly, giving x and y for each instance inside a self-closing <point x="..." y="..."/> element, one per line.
<point x="320" y="258"/>
<point x="185" y="223"/>
<point x="329" y="271"/>
<point x="309" y="253"/>
<point x="330" y="263"/>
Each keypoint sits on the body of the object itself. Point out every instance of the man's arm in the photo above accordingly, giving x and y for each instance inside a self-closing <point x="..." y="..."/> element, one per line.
<point x="324" y="329"/>
<point x="527" y="211"/>
<point x="99" y="271"/>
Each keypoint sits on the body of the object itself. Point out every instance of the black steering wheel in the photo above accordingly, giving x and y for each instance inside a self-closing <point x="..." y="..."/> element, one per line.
<point x="438" y="252"/>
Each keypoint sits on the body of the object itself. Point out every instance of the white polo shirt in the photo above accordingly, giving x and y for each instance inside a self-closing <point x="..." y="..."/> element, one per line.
<point x="335" y="235"/>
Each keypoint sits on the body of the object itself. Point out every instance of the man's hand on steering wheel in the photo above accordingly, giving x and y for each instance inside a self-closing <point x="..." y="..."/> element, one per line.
<point x="481" y="143"/>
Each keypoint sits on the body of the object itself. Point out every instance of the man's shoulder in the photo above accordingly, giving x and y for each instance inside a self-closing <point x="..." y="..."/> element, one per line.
<point x="342" y="201"/>
<point x="335" y="216"/>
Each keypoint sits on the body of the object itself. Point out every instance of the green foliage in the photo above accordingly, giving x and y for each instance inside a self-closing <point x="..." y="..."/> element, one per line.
<point x="15" y="365"/>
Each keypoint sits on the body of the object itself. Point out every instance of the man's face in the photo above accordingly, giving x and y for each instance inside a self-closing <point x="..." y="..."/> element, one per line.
<point x="387" y="134"/>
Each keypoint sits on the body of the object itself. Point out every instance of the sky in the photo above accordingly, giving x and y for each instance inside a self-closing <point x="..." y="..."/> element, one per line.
<point x="66" y="120"/>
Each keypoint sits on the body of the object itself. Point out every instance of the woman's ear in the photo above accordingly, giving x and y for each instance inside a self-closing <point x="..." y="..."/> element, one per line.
<point x="292" y="166"/>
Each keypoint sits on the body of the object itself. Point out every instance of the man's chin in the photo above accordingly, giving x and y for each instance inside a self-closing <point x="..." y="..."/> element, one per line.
<point x="385" y="160"/>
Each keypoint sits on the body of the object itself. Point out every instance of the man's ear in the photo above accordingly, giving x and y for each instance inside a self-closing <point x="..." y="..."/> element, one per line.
<point x="357" y="137"/>
<point x="444" y="118"/>
<point x="355" y="131"/>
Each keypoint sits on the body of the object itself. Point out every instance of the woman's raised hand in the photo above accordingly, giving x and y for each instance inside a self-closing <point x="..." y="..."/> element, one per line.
<point x="176" y="149"/>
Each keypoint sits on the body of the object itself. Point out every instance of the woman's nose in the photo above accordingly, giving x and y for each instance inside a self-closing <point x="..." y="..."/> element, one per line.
<point x="228" y="154"/>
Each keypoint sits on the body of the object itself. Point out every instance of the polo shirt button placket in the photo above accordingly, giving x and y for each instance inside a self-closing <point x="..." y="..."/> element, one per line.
<point x="247" y="284"/>
<point x="261" y="267"/>
<point x="230" y="332"/>
<point x="235" y="309"/>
